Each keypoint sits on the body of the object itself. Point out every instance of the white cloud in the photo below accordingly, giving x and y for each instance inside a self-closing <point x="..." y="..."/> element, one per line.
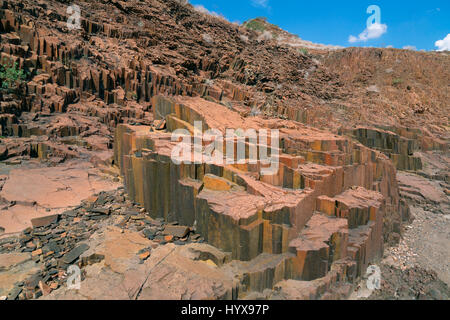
<point x="260" y="3"/>
<point x="434" y="10"/>
<point x="410" y="48"/>
<point x="375" y="31"/>
<point x="443" y="44"/>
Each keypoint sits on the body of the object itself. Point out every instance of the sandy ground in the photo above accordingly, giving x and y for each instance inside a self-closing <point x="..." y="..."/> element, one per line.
<point x="427" y="242"/>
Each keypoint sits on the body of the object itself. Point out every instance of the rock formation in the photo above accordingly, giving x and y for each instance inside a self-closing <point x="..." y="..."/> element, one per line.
<point x="316" y="210"/>
<point x="107" y="99"/>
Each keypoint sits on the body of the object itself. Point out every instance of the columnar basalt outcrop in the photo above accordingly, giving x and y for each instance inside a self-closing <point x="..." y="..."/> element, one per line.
<point x="399" y="144"/>
<point x="136" y="72"/>
<point x="330" y="199"/>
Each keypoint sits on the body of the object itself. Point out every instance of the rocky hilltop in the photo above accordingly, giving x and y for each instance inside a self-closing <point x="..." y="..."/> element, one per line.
<point x="88" y="179"/>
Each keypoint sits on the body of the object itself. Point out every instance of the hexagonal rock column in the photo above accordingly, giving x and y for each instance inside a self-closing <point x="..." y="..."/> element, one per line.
<point x="304" y="218"/>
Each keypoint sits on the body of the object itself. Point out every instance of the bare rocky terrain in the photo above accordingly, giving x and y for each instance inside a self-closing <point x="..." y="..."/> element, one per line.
<point x="87" y="179"/>
<point x="417" y="268"/>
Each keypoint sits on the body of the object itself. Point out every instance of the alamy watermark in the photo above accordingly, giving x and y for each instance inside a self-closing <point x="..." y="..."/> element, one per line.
<point x="238" y="146"/>
<point x="375" y="17"/>
<point x="374" y="27"/>
<point x="374" y="277"/>
<point x="73" y="277"/>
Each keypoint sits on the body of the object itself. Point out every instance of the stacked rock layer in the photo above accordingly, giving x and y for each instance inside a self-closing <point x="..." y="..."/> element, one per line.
<point x="330" y="200"/>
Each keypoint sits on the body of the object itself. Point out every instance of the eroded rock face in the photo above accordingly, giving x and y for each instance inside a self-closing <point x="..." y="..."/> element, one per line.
<point x="402" y="145"/>
<point x="330" y="200"/>
<point x="313" y="226"/>
<point x="171" y="272"/>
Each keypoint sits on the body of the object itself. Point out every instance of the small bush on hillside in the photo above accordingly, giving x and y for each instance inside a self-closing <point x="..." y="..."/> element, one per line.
<point x="9" y="75"/>
<point x="255" y="25"/>
<point x="303" y="51"/>
<point x="397" y="81"/>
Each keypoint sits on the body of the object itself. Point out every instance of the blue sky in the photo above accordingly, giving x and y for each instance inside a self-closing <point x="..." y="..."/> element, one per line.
<point x="403" y="23"/>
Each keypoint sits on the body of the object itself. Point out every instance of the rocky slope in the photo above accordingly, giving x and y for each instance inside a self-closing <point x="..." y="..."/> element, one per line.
<point x="138" y="70"/>
<point x="270" y="31"/>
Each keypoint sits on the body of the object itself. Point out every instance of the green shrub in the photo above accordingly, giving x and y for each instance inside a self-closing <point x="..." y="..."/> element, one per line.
<point x="255" y="24"/>
<point x="304" y="51"/>
<point x="9" y="75"/>
<point x="396" y="81"/>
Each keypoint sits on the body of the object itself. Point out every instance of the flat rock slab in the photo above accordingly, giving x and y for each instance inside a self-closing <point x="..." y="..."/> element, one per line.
<point x="17" y="218"/>
<point x="57" y="187"/>
<point x="176" y="231"/>
<point x="44" y="221"/>
<point x="99" y="211"/>
<point x="175" y="276"/>
<point x="75" y="253"/>
<point x="101" y="283"/>
<point x="42" y="192"/>
<point x="120" y="248"/>
<point x="170" y="272"/>
<point x="429" y="190"/>
<point x="16" y="267"/>
<point x="9" y="260"/>
<point x="295" y="290"/>
<point x="205" y="252"/>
